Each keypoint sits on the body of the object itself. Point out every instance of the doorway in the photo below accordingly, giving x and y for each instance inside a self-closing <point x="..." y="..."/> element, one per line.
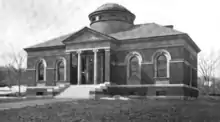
<point x="87" y="65"/>
<point x="87" y="69"/>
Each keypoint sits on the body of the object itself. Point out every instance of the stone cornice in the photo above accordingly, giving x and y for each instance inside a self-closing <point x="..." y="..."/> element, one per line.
<point x="151" y="39"/>
<point x="183" y="36"/>
<point x="85" y="49"/>
<point x="192" y="43"/>
<point x="164" y="46"/>
<point x="111" y="20"/>
<point x="49" y="55"/>
<point x="95" y="41"/>
<point x="44" y="48"/>
<point x="112" y="11"/>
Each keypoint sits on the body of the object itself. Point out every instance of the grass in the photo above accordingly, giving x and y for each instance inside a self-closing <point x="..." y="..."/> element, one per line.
<point x="118" y="111"/>
<point x="18" y="99"/>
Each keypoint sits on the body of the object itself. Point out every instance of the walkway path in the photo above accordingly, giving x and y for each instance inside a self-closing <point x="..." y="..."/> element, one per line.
<point x="21" y="104"/>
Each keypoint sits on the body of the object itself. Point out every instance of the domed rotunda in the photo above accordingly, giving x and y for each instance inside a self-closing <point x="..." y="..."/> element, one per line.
<point x="111" y="18"/>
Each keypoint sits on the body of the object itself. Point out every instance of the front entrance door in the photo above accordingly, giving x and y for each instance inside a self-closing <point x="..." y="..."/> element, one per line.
<point x="88" y="68"/>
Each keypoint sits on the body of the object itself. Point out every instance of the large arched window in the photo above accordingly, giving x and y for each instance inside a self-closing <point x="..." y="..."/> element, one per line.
<point x="61" y="70"/>
<point x="161" y="64"/>
<point x="134" y="66"/>
<point x="133" y="61"/>
<point x="41" y="71"/>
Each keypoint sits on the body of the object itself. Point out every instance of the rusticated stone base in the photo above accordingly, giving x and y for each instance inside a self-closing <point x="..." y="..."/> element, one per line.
<point x="39" y="91"/>
<point x="169" y="91"/>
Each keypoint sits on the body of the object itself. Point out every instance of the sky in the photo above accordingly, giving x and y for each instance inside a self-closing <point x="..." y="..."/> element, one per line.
<point x="27" y="22"/>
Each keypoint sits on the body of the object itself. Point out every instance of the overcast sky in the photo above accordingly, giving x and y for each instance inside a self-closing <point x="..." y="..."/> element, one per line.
<point x="27" y="22"/>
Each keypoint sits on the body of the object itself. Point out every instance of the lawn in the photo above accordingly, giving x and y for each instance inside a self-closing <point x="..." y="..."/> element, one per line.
<point x="118" y="111"/>
<point x="17" y="99"/>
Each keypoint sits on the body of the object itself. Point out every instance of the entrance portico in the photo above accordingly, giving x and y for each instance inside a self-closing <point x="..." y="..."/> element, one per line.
<point x="93" y="65"/>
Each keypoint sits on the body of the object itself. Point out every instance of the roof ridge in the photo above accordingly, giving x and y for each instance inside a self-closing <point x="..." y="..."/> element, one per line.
<point x="145" y="30"/>
<point x="164" y="26"/>
<point x="49" y="40"/>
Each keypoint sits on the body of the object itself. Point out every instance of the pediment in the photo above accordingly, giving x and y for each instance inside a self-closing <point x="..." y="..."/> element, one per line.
<point x="86" y="35"/>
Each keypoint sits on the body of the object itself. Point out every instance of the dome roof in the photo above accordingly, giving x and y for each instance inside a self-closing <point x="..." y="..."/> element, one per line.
<point x="111" y="7"/>
<point x="111" y="12"/>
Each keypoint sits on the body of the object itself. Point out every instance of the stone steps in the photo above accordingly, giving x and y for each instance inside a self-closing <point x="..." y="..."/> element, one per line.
<point x="77" y="92"/>
<point x="34" y="91"/>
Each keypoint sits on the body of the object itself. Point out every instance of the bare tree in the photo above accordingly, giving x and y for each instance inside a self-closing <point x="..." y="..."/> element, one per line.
<point x="207" y="67"/>
<point x="15" y="67"/>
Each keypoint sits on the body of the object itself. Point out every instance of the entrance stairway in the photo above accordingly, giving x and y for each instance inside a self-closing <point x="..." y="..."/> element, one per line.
<point x="77" y="92"/>
<point x="46" y="91"/>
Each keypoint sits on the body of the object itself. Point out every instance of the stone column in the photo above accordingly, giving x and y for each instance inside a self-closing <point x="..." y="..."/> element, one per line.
<point x="87" y="69"/>
<point x="102" y="68"/>
<point x="95" y="65"/>
<point x="107" y="65"/>
<point x="79" y="68"/>
<point x="68" y="67"/>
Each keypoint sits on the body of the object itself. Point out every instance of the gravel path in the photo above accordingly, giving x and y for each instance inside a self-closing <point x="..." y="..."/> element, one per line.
<point x="21" y="104"/>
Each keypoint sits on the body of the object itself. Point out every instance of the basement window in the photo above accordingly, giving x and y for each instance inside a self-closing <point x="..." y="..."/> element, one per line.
<point x="161" y="93"/>
<point x="40" y="93"/>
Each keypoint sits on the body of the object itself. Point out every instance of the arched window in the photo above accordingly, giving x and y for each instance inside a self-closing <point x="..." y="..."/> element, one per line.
<point x="41" y="71"/>
<point x="161" y="60"/>
<point x="134" y="65"/>
<point x="61" y="70"/>
<point x="133" y="61"/>
<point x="161" y="66"/>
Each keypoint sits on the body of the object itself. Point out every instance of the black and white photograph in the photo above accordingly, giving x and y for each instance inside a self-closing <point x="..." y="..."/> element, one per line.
<point x="109" y="61"/>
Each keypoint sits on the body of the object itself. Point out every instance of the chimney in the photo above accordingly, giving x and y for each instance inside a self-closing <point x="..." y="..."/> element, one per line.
<point x="169" y="26"/>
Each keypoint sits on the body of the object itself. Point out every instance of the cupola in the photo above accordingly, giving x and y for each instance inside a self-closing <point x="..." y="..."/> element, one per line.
<point x="111" y="18"/>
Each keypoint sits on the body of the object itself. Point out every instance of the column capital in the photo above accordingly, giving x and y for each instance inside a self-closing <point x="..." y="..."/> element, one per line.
<point x="79" y="51"/>
<point x="107" y="49"/>
<point x="68" y="53"/>
<point x="95" y="50"/>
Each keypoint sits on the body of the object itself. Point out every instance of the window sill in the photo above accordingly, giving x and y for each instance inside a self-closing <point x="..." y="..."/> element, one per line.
<point x="41" y="81"/>
<point x="58" y="81"/>
<point x="40" y="84"/>
<point x="161" y="78"/>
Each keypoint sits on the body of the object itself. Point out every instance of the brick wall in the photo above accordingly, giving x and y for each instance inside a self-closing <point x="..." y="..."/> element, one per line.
<point x="50" y="56"/>
<point x="180" y="56"/>
<point x="175" y="46"/>
<point x="119" y="72"/>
